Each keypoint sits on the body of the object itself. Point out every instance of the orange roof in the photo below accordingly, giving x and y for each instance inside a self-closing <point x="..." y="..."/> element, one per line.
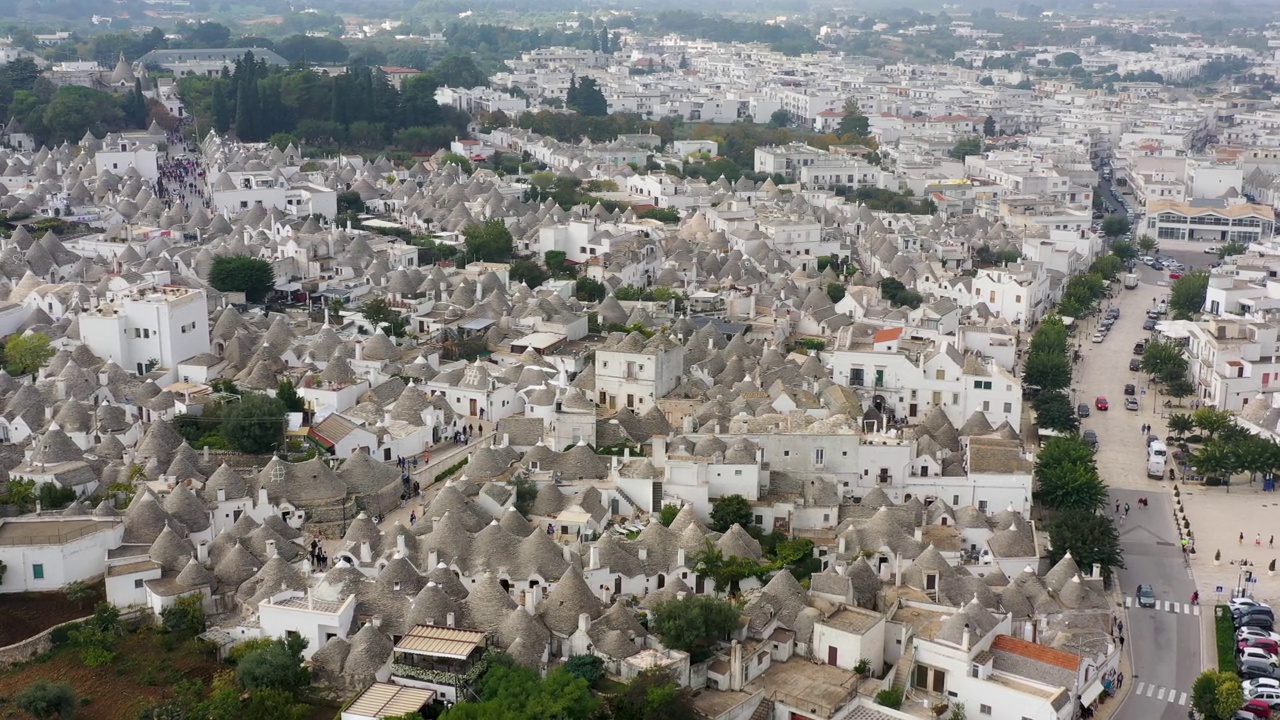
<point x="831" y="113"/>
<point x="1039" y="653"/>
<point x="887" y="335"/>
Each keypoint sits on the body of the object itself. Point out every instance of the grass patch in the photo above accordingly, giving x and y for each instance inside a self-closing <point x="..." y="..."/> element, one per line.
<point x="1226" y="636"/>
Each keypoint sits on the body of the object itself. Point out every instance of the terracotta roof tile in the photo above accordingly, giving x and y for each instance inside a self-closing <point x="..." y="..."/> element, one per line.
<point x="1040" y="653"/>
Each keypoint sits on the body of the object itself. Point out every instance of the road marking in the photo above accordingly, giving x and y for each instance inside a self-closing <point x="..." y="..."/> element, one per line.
<point x="1151" y="690"/>
<point x="1182" y="700"/>
<point x="1140" y="686"/>
<point x="1128" y="602"/>
<point x="1160" y="695"/>
<point x="1196" y="610"/>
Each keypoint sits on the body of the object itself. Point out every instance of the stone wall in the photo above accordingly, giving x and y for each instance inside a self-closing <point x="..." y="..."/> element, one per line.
<point x="31" y="647"/>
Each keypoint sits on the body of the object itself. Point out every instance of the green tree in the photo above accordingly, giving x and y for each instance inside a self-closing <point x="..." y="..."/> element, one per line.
<point x="555" y="261"/>
<point x="628" y="293"/>
<point x="653" y="695"/>
<point x="1050" y="337"/>
<point x="1066" y="60"/>
<point x="1212" y="421"/>
<point x="45" y="700"/>
<point x="528" y="272"/>
<point x="489" y="241"/>
<point x="1235" y="247"/>
<point x="1148" y="244"/>
<point x="1163" y="359"/>
<point x="1186" y="297"/>
<point x="1067" y="476"/>
<point x="1178" y="387"/>
<point x="731" y="510"/>
<point x="853" y="122"/>
<point x="1089" y="536"/>
<point x="350" y="202"/>
<point x="1055" y="412"/>
<point x="587" y="667"/>
<point x="240" y="273"/>
<point x="288" y="395"/>
<point x="1124" y="249"/>
<point x="779" y="119"/>
<point x="989" y="127"/>
<point x="277" y="666"/>
<point x="967" y="146"/>
<point x="79" y="593"/>
<point x="588" y="100"/>
<point x="668" y="514"/>
<point x="185" y="617"/>
<point x="1047" y="371"/>
<point x="836" y="292"/>
<point x="25" y="354"/>
<point x="1115" y="225"/>
<point x="589" y="290"/>
<point x="1216" y="695"/>
<point x="516" y="693"/>
<point x="379" y="313"/>
<point x="254" y="424"/>
<point x="694" y="623"/>
<point x="221" y="109"/>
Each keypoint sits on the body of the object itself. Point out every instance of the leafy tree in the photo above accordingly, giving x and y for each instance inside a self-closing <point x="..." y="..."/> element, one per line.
<point x="1186" y="297"/>
<point x="229" y="701"/>
<point x="836" y="292"/>
<point x="25" y="354"/>
<point x="1162" y="359"/>
<point x="528" y="272"/>
<point x="1115" y="225"/>
<point x="1212" y="421"/>
<point x="555" y="260"/>
<point x="79" y="592"/>
<point x="44" y="700"/>
<point x="350" y="202"/>
<point x="277" y="666"/>
<point x="1148" y="244"/>
<point x="1180" y="424"/>
<point x="587" y="667"/>
<point x="853" y="122"/>
<point x="1055" y="412"/>
<point x="1179" y="387"/>
<point x="628" y="293"/>
<point x="1235" y="247"/>
<point x="731" y="510"/>
<point x="1050" y="337"/>
<point x="1124" y="249"/>
<point x="240" y="273"/>
<point x="379" y="313"/>
<point x="589" y="290"/>
<point x="694" y="623"/>
<point x="1216" y="695"/>
<point x="1047" y="371"/>
<point x="1089" y="536"/>
<point x="897" y="294"/>
<point x="288" y="395"/>
<point x="780" y="119"/>
<point x="185" y="617"/>
<point x="967" y="146"/>
<point x="989" y="126"/>
<point x="518" y="693"/>
<point x="254" y="424"/>
<point x="653" y="695"/>
<point x="1108" y="266"/>
<point x="489" y="241"/>
<point x="453" y="158"/>
<point x="1067" y="476"/>
<point x="668" y="514"/>
<point x="586" y="98"/>
<point x="207" y="35"/>
<point x="1066" y="60"/>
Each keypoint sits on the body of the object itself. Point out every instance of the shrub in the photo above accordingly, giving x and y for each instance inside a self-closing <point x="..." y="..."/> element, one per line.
<point x="43" y="699"/>
<point x="1195" y="438"/>
<point x="1226" y="637"/>
<point x="890" y="698"/>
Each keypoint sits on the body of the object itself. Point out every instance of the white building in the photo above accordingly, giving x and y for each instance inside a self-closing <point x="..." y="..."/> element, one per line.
<point x="47" y="553"/>
<point x="149" y="325"/>
<point x="635" y="373"/>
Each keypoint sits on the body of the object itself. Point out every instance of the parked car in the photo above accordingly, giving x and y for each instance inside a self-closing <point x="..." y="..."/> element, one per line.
<point x="1245" y="617"/>
<point x="1251" y="653"/>
<point x="1100" y="403"/>
<point x="1243" y="633"/>
<point x="1129" y="389"/>
<point x="1258" y="685"/>
<point x="1149" y="324"/>
<point x="1175" y="275"/>
<point x="1135" y="364"/>
<point x="1240" y="602"/>
<point x="1090" y="438"/>
<point x="1131" y="403"/>
<point x="1264" y="622"/>
<point x="1260" y="708"/>
<point x="1139" y="347"/>
<point x="1257" y="669"/>
<point x="1240" y="610"/>
<point x="1266" y="644"/>
<point x="1099" y="337"/>
<point x="1211" y="250"/>
<point x="1082" y="410"/>
<point x="1146" y="596"/>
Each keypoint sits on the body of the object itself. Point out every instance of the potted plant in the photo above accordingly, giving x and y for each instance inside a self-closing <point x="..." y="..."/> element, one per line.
<point x="863" y="668"/>
<point x="1217" y="557"/>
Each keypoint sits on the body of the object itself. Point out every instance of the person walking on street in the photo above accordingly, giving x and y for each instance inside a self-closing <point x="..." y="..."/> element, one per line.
<point x="1126" y="508"/>
<point x="1241" y="540"/>
<point x="1257" y="540"/>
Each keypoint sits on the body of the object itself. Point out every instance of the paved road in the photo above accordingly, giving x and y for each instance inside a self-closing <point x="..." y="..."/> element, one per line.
<point x="1165" y="642"/>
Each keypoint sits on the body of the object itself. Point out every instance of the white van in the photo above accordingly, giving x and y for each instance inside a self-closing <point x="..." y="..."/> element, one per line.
<point x="1157" y="453"/>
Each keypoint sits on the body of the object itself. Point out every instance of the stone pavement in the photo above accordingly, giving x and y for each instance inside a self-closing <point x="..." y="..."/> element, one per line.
<point x="1218" y="518"/>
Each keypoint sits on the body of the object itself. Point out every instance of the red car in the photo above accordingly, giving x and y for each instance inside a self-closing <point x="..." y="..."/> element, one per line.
<point x="1267" y="644"/>
<point x="1175" y="275"/>
<point x="1259" y="708"/>
<point x="1101" y="403"/>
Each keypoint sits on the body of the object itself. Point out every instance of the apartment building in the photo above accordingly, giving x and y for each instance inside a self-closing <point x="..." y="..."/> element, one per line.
<point x="1209" y="221"/>
<point x="148" y="325"/>
<point x="1232" y="359"/>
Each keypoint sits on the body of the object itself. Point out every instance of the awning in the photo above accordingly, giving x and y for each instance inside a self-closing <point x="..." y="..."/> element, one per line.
<point x="477" y="324"/>
<point x="1091" y="692"/>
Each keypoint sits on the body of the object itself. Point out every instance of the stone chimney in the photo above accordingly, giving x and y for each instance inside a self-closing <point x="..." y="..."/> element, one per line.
<point x="531" y="601"/>
<point x="400" y="544"/>
<point x="366" y="552"/>
<point x="735" y="666"/>
<point x="965" y="639"/>
<point x="680" y="559"/>
<point x="450" y="620"/>
<point x="840" y="545"/>
<point x="271" y="549"/>
<point x="659" y="451"/>
<point x="644" y="553"/>
<point x="433" y="558"/>
<point x="222" y="495"/>
<point x="376" y="621"/>
<point x="593" y="556"/>
<point x="202" y="552"/>
<point x="584" y="622"/>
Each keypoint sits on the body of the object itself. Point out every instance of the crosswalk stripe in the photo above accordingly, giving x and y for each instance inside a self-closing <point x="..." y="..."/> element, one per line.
<point x="1151" y="690"/>
<point x="1177" y="607"/>
<point x="1170" y="606"/>
<point x="1128" y="601"/>
<point x="1141" y="685"/>
<point x="1160" y="695"/>
<point x="1182" y="700"/>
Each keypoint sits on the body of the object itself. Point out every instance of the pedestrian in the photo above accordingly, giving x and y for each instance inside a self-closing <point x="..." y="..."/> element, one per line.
<point x="1241" y="540"/>
<point x="1117" y="507"/>
<point x="1120" y="625"/>
<point x="1257" y="540"/>
<point x="1121" y="639"/>
<point x="1271" y="542"/>
<point x="1126" y="508"/>
<point x="413" y="518"/>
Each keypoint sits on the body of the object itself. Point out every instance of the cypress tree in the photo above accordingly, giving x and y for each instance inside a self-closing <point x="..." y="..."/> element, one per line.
<point x="221" y="112"/>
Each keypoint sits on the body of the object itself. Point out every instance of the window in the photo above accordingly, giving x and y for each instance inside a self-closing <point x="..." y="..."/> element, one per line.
<point x="819" y="455"/>
<point x="137" y="584"/>
<point x="759" y="520"/>
<point x="737" y="473"/>
<point x="939" y="374"/>
<point x="984" y="709"/>
<point x="37" y="571"/>
<point x="982" y="504"/>
<point x="855" y="377"/>
<point x="986" y="406"/>
<point x="955" y="398"/>
<point x="975" y="671"/>
<point x="981" y="384"/>
<point x="786" y="453"/>
<point x="1008" y="408"/>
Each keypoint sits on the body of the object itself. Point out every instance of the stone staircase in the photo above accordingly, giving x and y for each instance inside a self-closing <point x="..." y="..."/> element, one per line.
<point x="764" y="711"/>
<point x="902" y="674"/>
<point x="627" y="497"/>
